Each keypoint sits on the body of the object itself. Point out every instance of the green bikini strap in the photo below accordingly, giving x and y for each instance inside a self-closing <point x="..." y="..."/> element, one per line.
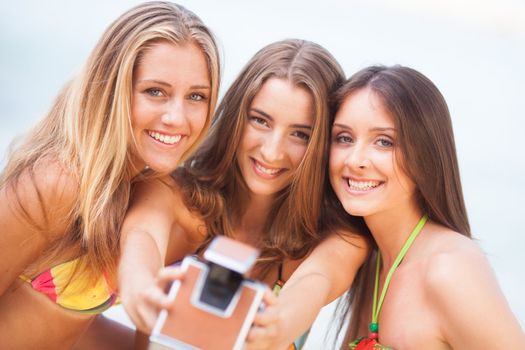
<point x="375" y="307"/>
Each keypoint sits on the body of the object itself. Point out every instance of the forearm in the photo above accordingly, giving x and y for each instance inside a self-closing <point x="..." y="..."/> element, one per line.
<point x="299" y="304"/>
<point x="139" y="265"/>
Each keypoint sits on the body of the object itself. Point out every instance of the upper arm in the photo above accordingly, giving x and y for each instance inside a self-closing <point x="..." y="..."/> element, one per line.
<point x="336" y="259"/>
<point x="471" y="309"/>
<point x="34" y="210"/>
<point x="150" y="216"/>
<point x="158" y="214"/>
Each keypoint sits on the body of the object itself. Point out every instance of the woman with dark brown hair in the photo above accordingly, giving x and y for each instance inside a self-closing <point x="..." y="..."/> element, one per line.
<point x="427" y="285"/>
<point x="259" y="178"/>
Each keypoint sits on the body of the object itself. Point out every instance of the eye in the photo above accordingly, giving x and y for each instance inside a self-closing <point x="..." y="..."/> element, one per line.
<point x="302" y="135"/>
<point x="258" y="121"/>
<point x="343" y="139"/>
<point x="197" y="97"/>
<point x="155" y="92"/>
<point x="384" y="142"/>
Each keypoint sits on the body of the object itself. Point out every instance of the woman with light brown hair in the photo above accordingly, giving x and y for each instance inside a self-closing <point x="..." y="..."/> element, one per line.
<point x="144" y="99"/>
<point x="393" y="161"/>
<point x="259" y="178"/>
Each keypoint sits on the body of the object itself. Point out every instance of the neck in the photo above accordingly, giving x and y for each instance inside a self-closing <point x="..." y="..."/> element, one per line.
<point x="138" y="165"/>
<point x="391" y="229"/>
<point x="251" y="220"/>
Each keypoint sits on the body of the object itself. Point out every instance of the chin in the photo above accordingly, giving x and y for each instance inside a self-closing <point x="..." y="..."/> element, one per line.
<point x="163" y="168"/>
<point x="356" y="210"/>
<point x="259" y="190"/>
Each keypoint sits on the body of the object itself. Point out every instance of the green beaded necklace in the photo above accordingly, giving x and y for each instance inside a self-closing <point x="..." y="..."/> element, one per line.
<point x="376" y="306"/>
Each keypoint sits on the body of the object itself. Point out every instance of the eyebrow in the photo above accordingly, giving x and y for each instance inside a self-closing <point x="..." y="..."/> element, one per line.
<point x="383" y="129"/>
<point x="346" y="127"/>
<point x="266" y="115"/>
<point x="342" y="126"/>
<point x="160" y="82"/>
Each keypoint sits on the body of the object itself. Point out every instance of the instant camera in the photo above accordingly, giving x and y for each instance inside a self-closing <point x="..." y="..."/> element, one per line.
<point x="213" y="305"/>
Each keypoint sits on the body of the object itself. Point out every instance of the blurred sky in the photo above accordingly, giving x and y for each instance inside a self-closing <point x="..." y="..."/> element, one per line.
<point x="473" y="51"/>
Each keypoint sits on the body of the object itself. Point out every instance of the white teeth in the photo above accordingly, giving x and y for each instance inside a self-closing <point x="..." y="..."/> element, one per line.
<point x="362" y="185"/>
<point x="265" y="170"/>
<point x="169" y="140"/>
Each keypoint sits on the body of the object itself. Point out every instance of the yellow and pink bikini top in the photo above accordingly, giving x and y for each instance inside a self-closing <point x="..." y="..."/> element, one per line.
<point x="71" y="293"/>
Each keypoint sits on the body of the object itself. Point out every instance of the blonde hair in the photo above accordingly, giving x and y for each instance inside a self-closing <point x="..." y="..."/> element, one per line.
<point x="211" y="179"/>
<point x="88" y="129"/>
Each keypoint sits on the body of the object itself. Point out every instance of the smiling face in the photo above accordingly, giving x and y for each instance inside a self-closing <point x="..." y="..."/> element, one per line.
<point x="364" y="171"/>
<point x="275" y="137"/>
<point x="171" y="89"/>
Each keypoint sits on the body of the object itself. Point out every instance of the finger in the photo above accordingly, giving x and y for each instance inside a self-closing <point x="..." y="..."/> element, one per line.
<point x="156" y="298"/>
<point x="169" y="274"/>
<point x="255" y="335"/>
<point x="269" y="298"/>
<point x="267" y="317"/>
<point x="145" y="318"/>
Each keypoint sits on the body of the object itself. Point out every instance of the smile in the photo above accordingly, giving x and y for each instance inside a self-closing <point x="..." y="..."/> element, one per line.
<point x="165" y="139"/>
<point x="266" y="172"/>
<point x="355" y="185"/>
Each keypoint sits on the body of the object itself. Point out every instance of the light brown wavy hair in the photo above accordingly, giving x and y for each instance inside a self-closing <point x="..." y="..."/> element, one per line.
<point x="426" y="141"/>
<point x="211" y="179"/>
<point x="88" y="129"/>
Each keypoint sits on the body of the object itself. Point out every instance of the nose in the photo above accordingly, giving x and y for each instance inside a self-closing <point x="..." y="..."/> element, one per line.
<point x="174" y="112"/>
<point x="272" y="147"/>
<point x="357" y="157"/>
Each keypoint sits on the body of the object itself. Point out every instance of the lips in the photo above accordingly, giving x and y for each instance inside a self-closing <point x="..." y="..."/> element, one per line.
<point x="266" y="171"/>
<point x="166" y="139"/>
<point x="361" y="185"/>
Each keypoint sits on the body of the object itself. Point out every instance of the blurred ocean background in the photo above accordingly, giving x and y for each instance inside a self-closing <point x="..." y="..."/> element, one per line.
<point x="473" y="50"/>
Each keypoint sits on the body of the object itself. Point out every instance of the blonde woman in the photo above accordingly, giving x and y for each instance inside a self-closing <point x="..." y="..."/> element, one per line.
<point x="143" y="99"/>
<point x="259" y="178"/>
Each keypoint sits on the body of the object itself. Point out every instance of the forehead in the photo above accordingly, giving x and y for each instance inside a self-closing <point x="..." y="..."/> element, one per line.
<point x="170" y="61"/>
<point x="284" y="101"/>
<point x="364" y="107"/>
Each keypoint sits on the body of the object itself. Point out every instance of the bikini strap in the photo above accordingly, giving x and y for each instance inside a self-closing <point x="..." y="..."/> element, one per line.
<point x="280" y="272"/>
<point x="376" y="307"/>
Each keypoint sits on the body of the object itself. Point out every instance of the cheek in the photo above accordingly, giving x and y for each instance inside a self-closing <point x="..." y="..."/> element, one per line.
<point x="139" y="114"/>
<point x="397" y="163"/>
<point x="407" y="185"/>
<point x="336" y="160"/>
<point x="198" y="121"/>
<point x="250" y="138"/>
<point x="296" y="153"/>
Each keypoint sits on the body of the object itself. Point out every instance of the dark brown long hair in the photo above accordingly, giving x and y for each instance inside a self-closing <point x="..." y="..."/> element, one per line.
<point x="211" y="179"/>
<point x="426" y="141"/>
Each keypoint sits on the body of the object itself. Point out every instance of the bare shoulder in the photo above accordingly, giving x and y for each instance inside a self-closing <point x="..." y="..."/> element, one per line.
<point x="458" y="281"/>
<point x="163" y="195"/>
<point x="35" y="209"/>
<point x="189" y="220"/>
<point x="43" y="196"/>
<point x="458" y="273"/>
<point x="453" y="259"/>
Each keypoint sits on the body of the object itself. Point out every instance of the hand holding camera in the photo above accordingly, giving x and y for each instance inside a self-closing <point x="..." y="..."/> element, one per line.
<point x="214" y="305"/>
